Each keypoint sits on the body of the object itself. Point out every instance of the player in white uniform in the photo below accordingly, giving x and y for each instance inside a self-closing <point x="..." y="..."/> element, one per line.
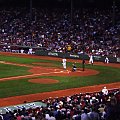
<point x="106" y="60"/>
<point x="91" y="59"/>
<point x="30" y="51"/>
<point x="64" y="63"/>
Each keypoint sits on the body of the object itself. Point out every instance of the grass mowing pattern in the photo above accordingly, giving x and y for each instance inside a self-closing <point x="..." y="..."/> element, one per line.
<point x="22" y="86"/>
<point x="19" y="59"/>
<point x="12" y="70"/>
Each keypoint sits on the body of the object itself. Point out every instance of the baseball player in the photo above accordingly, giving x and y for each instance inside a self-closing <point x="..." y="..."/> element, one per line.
<point x="74" y="68"/>
<point x="91" y="59"/>
<point x="106" y="60"/>
<point x="64" y="63"/>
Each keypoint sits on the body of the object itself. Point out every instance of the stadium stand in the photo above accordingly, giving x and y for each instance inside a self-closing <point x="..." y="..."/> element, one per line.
<point x="51" y="29"/>
<point x="83" y="106"/>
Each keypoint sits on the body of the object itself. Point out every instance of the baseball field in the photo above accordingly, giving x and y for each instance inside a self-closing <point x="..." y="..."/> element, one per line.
<point x="30" y="78"/>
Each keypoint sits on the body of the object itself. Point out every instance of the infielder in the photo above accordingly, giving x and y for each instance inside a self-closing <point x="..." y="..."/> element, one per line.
<point x="91" y="59"/>
<point x="64" y="63"/>
<point x="106" y="60"/>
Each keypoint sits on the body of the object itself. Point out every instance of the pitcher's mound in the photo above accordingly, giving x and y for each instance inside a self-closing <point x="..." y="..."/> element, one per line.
<point x="44" y="81"/>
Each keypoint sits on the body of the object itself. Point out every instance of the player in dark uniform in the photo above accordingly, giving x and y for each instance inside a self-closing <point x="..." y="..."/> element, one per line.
<point x="74" y="68"/>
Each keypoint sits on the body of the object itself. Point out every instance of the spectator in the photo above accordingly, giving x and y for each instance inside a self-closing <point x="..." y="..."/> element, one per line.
<point x="105" y="91"/>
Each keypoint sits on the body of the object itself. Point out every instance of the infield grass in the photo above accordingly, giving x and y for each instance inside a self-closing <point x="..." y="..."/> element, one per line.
<point x="22" y="86"/>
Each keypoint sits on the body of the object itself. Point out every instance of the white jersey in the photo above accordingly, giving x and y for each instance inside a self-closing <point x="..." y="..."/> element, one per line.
<point x="106" y="60"/>
<point x="105" y="91"/>
<point x="64" y="60"/>
<point x="30" y="51"/>
<point x="64" y="63"/>
<point x="91" y="59"/>
<point x="22" y="51"/>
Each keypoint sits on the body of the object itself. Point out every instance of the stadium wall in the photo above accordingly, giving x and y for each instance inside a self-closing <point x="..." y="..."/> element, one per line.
<point x="75" y="56"/>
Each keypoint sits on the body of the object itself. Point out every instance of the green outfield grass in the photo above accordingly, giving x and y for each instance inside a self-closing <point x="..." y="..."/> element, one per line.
<point x="22" y="86"/>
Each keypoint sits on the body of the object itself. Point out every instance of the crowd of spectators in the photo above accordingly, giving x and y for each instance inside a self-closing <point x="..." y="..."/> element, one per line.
<point x="59" y="30"/>
<point x="56" y="30"/>
<point x="84" y="106"/>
